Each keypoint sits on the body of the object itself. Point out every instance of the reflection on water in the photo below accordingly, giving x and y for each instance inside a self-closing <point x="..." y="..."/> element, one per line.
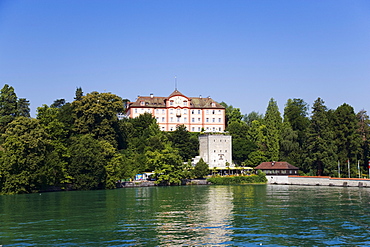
<point x="205" y="221"/>
<point x="249" y="215"/>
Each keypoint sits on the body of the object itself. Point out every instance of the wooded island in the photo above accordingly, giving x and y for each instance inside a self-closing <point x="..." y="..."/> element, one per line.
<point x="82" y="144"/>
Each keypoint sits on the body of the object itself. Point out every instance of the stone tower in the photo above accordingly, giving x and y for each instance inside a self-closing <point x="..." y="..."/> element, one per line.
<point x="215" y="150"/>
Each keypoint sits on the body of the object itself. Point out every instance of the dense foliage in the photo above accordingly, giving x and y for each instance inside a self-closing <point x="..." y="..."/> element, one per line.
<point x="259" y="178"/>
<point x="322" y="144"/>
<point x="83" y="145"/>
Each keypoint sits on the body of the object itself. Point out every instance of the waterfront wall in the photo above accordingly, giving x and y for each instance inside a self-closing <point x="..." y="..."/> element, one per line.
<point x="318" y="181"/>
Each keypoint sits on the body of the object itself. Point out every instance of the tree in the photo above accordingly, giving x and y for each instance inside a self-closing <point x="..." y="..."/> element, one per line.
<point x="294" y="133"/>
<point x="364" y="132"/>
<point x="23" y="107"/>
<point x="186" y="145"/>
<point x="93" y="164"/>
<point x="273" y="122"/>
<point x="347" y="137"/>
<point x="96" y="114"/>
<point x="79" y="93"/>
<point x="289" y="145"/>
<point x="321" y="158"/>
<point x="201" y="169"/>
<point x="242" y="145"/>
<point x="58" y="103"/>
<point x="295" y="113"/>
<point x="58" y="137"/>
<point x="258" y="135"/>
<point x="8" y="106"/>
<point x="23" y="163"/>
<point x="169" y="168"/>
<point x="231" y="114"/>
<point x="249" y="118"/>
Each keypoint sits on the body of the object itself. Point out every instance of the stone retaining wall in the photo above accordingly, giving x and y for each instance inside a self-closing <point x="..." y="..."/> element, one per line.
<point x="318" y="181"/>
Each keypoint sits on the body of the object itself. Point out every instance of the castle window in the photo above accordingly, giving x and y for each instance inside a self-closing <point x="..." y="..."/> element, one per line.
<point x="171" y="102"/>
<point x="185" y="103"/>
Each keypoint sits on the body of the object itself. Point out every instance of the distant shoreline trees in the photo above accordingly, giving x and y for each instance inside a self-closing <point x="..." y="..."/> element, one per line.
<point x="82" y="144"/>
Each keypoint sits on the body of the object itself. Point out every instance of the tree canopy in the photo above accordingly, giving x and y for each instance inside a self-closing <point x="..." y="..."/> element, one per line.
<point x="83" y="145"/>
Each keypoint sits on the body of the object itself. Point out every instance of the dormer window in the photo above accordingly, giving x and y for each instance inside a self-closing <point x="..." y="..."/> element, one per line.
<point x="142" y="103"/>
<point x="213" y="104"/>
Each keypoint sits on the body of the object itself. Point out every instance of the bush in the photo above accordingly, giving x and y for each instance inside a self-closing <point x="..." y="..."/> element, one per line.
<point x="259" y="178"/>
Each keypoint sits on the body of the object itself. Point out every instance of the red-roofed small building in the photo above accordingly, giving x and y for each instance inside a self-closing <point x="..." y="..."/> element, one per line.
<point x="196" y="113"/>
<point x="277" y="168"/>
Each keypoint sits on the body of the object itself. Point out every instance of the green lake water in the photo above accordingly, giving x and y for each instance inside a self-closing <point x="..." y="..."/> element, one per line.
<point x="246" y="215"/>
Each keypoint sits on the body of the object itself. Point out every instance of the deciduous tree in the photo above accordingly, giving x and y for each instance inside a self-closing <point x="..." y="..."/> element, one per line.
<point x="96" y="114"/>
<point x="23" y="163"/>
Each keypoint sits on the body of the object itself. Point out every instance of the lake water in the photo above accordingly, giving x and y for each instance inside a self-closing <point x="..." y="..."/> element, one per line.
<point x="246" y="215"/>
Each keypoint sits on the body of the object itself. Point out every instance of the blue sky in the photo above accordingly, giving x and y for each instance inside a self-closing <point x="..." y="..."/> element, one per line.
<point x="240" y="52"/>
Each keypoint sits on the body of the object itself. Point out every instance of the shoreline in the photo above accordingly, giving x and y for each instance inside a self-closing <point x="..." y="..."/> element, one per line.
<point x="318" y="181"/>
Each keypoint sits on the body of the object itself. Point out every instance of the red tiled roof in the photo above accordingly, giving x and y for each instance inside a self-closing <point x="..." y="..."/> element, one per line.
<point x="160" y="102"/>
<point x="275" y="166"/>
<point x="176" y="93"/>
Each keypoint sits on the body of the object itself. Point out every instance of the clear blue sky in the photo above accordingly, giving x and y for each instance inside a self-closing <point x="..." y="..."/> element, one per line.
<point x="241" y="52"/>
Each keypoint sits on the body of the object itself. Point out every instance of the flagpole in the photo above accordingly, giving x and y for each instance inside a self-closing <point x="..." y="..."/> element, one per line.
<point x="349" y="172"/>
<point x="358" y="167"/>
<point x="338" y="169"/>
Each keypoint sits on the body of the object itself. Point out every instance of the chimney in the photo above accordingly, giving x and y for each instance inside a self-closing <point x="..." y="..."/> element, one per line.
<point x="200" y="96"/>
<point x="151" y="95"/>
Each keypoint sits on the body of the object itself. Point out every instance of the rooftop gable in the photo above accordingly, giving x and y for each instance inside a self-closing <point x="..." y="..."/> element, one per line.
<point x="276" y="166"/>
<point x="195" y="102"/>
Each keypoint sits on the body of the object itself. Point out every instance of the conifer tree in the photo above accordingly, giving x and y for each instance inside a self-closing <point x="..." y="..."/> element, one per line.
<point x="273" y="122"/>
<point x="321" y="150"/>
<point x="347" y="137"/>
<point x="294" y="136"/>
<point x="23" y="107"/>
<point x="8" y="106"/>
<point x="364" y="132"/>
